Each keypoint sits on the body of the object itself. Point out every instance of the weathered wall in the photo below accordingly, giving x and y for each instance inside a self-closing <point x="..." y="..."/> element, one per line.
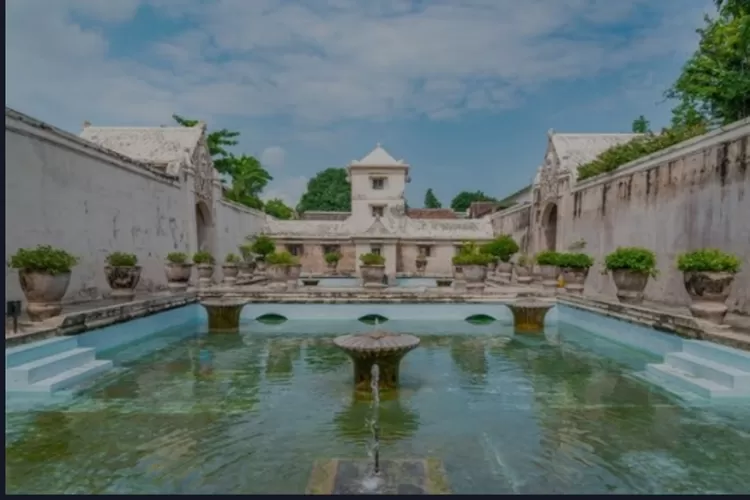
<point x="234" y="223"/>
<point x="515" y="222"/>
<point x="439" y="263"/>
<point x="693" y="196"/>
<point x="66" y="192"/>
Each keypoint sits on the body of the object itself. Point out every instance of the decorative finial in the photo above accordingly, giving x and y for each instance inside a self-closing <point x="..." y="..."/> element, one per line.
<point x="551" y="132"/>
<point x="86" y="124"/>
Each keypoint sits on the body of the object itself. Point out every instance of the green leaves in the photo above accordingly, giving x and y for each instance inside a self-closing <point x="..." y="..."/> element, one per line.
<point x="431" y="201"/>
<point x="632" y="258"/>
<point x="547" y="258"/>
<point x="641" y="125"/>
<point x="327" y="191"/>
<point x="282" y="258"/>
<point x="708" y="260"/>
<point x="503" y="247"/>
<point x="43" y="259"/>
<point x="122" y="259"/>
<point x="263" y="245"/>
<point x="462" y="201"/>
<point x="278" y="209"/>
<point x="372" y="259"/>
<point x="574" y="260"/>
<point x="203" y="257"/>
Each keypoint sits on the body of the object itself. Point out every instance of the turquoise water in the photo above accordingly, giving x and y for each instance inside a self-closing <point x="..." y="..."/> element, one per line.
<point x="250" y="413"/>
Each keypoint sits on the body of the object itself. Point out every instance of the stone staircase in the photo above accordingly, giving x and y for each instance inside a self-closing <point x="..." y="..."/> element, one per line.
<point x="51" y="365"/>
<point x="706" y="369"/>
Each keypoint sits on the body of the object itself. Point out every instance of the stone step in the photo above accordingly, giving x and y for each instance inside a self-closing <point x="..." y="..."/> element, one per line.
<point x="719" y="373"/>
<point x="71" y="377"/>
<point x="49" y="366"/>
<point x="16" y="356"/>
<point x="718" y="353"/>
<point x="685" y="381"/>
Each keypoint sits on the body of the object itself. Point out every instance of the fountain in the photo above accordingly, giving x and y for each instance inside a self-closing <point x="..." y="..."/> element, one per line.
<point x="223" y="314"/>
<point x="528" y="315"/>
<point x="385" y="349"/>
<point x="370" y="352"/>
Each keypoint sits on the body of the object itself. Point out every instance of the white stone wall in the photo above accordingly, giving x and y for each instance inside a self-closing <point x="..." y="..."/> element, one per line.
<point x="515" y="222"/>
<point x="63" y="191"/>
<point x="233" y="224"/>
<point x="363" y="196"/>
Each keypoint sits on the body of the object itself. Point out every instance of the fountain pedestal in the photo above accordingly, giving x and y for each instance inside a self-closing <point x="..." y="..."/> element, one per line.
<point x="382" y="348"/>
<point x="528" y="315"/>
<point x="224" y="314"/>
<point x="397" y="477"/>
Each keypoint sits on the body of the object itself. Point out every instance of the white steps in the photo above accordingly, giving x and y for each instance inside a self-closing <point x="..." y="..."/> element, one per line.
<point x="50" y="365"/>
<point x="709" y="370"/>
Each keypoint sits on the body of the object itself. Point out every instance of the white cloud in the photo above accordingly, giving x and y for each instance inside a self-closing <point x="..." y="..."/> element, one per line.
<point x="273" y="158"/>
<point x="322" y="62"/>
<point x="287" y="189"/>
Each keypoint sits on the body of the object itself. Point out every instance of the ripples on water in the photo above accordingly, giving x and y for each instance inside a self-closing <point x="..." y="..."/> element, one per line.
<point x="250" y="414"/>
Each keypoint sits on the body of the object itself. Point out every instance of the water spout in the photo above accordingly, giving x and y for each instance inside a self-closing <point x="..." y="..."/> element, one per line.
<point x="374" y="422"/>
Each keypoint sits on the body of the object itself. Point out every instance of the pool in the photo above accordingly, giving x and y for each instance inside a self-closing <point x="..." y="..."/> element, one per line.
<point x="187" y="412"/>
<point x="355" y="282"/>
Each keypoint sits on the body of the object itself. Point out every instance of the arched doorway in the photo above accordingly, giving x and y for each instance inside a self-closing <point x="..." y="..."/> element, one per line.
<point x="203" y="224"/>
<point x="549" y="225"/>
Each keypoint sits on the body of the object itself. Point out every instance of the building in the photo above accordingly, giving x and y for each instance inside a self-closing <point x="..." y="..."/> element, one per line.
<point x="379" y="223"/>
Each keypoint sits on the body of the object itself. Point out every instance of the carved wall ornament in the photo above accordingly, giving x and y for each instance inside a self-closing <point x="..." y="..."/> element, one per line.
<point x="204" y="177"/>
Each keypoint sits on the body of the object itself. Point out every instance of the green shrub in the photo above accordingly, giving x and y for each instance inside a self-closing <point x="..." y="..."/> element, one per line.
<point x="503" y="247"/>
<point x="547" y="258"/>
<point x="43" y="259"/>
<point x="473" y="259"/>
<point x="372" y="259"/>
<point x="122" y="259"/>
<point x="283" y="258"/>
<point x="203" y="257"/>
<point x="574" y="260"/>
<point x="636" y="259"/>
<point x="709" y="260"/>
<point x="177" y="258"/>
<point x="232" y="259"/>
<point x="246" y="250"/>
<point x="263" y="246"/>
<point x="332" y="257"/>
<point x="525" y="260"/>
<point x="616" y="156"/>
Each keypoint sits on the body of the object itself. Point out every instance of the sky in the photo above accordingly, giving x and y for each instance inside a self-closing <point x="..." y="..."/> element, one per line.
<point x="462" y="90"/>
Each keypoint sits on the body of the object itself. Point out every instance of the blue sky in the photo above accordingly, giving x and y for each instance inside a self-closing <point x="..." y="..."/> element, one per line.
<point x="464" y="91"/>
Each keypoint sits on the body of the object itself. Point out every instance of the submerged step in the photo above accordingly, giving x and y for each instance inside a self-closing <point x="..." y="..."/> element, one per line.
<point x="22" y="354"/>
<point x="688" y="382"/>
<point x="72" y="377"/>
<point x="719" y="353"/>
<point x="49" y="366"/>
<point x="722" y="374"/>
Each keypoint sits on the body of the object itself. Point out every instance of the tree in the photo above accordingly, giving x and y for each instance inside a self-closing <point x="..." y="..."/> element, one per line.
<point x="715" y="81"/>
<point x="431" y="201"/>
<point x="278" y="209"/>
<point x="217" y="141"/>
<point x="327" y="191"/>
<point x="462" y="201"/>
<point x="641" y="125"/>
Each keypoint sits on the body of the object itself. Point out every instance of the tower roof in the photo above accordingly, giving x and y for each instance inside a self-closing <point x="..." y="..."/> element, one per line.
<point x="378" y="157"/>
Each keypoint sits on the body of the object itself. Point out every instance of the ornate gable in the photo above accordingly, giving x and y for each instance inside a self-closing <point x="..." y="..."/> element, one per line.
<point x="378" y="229"/>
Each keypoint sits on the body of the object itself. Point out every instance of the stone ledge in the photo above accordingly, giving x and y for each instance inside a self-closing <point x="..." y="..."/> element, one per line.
<point x="78" y="322"/>
<point x="661" y="320"/>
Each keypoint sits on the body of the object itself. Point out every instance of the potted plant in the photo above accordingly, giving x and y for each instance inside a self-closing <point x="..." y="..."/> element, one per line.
<point x="502" y="248"/>
<point x="277" y="267"/>
<point x="44" y="275"/>
<point x="294" y="271"/>
<point x="575" y="268"/>
<point x="549" y="269"/>
<point x="421" y="262"/>
<point x="231" y="268"/>
<point x="123" y="274"/>
<point x="372" y="269"/>
<point x="205" y="263"/>
<point x="262" y="247"/>
<point x="332" y="260"/>
<point x="708" y="275"/>
<point x="178" y="271"/>
<point x="631" y="267"/>
<point x="523" y="269"/>
<point x="473" y="263"/>
<point x="247" y="266"/>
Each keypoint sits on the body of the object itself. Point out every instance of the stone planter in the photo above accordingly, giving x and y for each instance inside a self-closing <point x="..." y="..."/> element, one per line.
<point x="178" y="276"/>
<point x="549" y="275"/>
<point x="630" y="285"/>
<point x="205" y="274"/>
<point x="372" y="276"/>
<point x="44" y="293"/>
<point x="523" y="275"/>
<point x="708" y="294"/>
<point x="245" y="272"/>
<point x="332" y="267"/>
<point x="504" y="271"/>
<point x="260" y="266"/>
<point x="475" y="276"/>
<point x="230" y="273"/>
<point x="122" y="280"/>
<point x="277" y="275"/>
<point x="536" y="274"/>
<point x="421" y="265"/>
<point x="574" y="280"/>
<point x="293" y="273"/>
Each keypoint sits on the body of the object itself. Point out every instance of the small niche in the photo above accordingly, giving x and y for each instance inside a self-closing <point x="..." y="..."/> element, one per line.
<point x="371" y="319"/>
<point x="480" y="319"/>
<point x="271" y="319"/>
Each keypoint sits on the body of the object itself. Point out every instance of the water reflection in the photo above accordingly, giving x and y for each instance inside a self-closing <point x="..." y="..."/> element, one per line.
<point x="397" y="420"/>
<point x="468" y="354"/>
<point x="322" y="356"/>
<point x="282" y="353"/>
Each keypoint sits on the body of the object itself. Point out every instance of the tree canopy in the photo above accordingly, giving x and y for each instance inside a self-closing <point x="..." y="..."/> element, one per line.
<point x="431" y="201"/>
<point x="277" y="208"/>
<point x="462" y="201"/>
<point x="327" y="191"/>
<point x="641" y="125"/>
<point x="249" y="178"/>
